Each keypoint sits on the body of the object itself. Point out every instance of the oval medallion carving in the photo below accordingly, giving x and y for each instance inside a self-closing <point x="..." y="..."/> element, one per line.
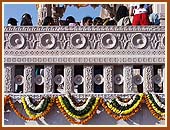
<point x="78" y="40"/>
<point x="108" y="40"/>
<point x="47" y="41"/>
<point x="16" y="40"/>
<point x="139" y="41"/>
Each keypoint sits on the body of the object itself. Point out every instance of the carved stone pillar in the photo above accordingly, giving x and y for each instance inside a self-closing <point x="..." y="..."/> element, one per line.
<point x="108" y="76"/>
<point x="29" y="75"/>
<point x="48" y="78"/>
<point x="68" y="78"/>
<point x="88" y="79"/>
<point x="8" y="78"/>
<point x="147" y="75"/>
<point x="128" y="75"/>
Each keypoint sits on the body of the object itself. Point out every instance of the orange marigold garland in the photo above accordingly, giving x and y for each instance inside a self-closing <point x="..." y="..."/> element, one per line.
<point x="32" y="118"/>
<point x="6" y="98"/>
<point x="151" y="109"/>
<point x="116" y="114"/>
<point x="70" y="117"/>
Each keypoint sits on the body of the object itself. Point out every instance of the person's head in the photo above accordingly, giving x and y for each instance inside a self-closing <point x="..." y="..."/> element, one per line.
<point x="141" y="5"/>
<point x="12" y="22"/>
<point x="70" y="19"/>
<point x="87" y="21"/>
<point x="121" y="12"/>
<point x="48" y="21"/>
<point x="26" y="20"/>
<point x="98" y="21"/>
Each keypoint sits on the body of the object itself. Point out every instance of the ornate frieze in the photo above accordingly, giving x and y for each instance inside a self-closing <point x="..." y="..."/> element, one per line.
<point x="80" y="37"/>
<point x="84" y="44"/>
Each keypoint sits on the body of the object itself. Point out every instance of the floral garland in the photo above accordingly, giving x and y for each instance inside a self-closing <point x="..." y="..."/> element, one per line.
<point x="6" y="99"/>
<point x="81" y="112"/>
<point x="36" y="109"/>
<point x="33" y="117"/>
<point x="121" y="110"/>
<point x="78" y="115"/>
<point x="156" y="107"/>
<point x="35" y="114"/>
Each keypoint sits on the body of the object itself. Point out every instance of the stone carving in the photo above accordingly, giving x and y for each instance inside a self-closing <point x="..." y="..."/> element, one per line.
<point x="78" y="40"/>
<point x="48" y="78"/>
<point x="88" y="79"/>
<point x="108" y="40"/>
<point x="39" y="79"/>
<point x="138" y="79"/>
<point x="108" y="78"/>
<point x="78" y="79"/>
<point x="127" y="73"/>
<point x="8" y="78"/>
<point x="16" y="41"/>
<point x="88" y="59"/>
<point x="19" y="79"/>
<point x="83" y="28"/>
<point x="98" y="79"/>
<point x="84" y="37"/>
<point x="139" y="40"/>
<point x="147" y="75"/>
<point x="41" y="52"/>
<point x="47" y="40"/>
<point x="118" y="79"/>
<point x="29" y="75"/>
<point x="68" y="77"/>
<point x="59" y="79"/>
<point x="84" y="45"/>
<point x="125" y="40"/>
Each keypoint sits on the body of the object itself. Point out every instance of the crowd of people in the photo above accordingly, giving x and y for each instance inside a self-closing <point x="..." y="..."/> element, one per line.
<point x="138" y="14"/>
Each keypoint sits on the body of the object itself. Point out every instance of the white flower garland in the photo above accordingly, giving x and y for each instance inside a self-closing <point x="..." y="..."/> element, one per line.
<point x="39" y="106"/>
<point x="80" y="107"/>
<point x="158" y="102"/>
<point x="126" y="103"/>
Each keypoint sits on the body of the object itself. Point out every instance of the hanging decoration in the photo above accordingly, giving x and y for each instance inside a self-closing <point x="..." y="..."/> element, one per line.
<point x="156" y="107"/>
<point x="76" y="113"/>
<point x="123" y="110"/>
<point x="80" y="112"/>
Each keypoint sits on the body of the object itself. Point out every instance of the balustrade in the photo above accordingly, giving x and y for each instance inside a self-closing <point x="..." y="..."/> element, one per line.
<point x="132" y="59"/>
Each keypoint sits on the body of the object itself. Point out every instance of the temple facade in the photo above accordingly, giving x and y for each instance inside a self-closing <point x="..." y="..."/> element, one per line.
<point x="85" y="75"/>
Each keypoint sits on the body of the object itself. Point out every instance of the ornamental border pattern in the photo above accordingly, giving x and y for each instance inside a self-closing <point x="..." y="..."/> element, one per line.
<point x="83" y="28"/>
<point x="94" y="59"/>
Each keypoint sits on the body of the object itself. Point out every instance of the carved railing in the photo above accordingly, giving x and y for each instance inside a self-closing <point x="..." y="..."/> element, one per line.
<point x="130" y="56"/>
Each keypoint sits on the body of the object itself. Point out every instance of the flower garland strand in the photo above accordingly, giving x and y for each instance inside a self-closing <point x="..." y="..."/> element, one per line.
<point x="32" y="118"/>
<point x="6" y="99"/>
<point x="118" y="114"/>
<point x="81" y="113"/>
<point x="153" y="109"/>
<point x="35" y="109"/>
<point x="74" y="119"/>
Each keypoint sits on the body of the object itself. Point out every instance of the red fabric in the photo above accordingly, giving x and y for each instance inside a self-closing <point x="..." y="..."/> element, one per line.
<point x="141" y="19"/>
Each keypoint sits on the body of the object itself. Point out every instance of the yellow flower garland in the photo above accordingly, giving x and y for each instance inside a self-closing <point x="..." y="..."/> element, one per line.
<point x="117" y="111"/>
<point x="153" y="106"/>
<point x="75" y="116"/>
